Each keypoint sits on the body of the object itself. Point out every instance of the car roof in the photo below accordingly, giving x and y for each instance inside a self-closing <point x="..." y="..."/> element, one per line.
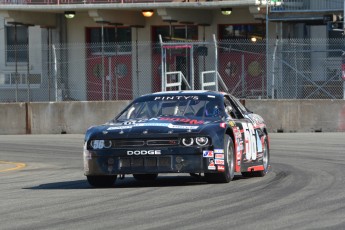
<point x="187" y="92"/>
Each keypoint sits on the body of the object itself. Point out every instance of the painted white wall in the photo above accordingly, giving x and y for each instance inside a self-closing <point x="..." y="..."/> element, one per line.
<point x="77" y="75"/>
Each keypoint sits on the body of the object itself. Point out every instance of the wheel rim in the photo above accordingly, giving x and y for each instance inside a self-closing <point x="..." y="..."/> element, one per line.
<point x="265" y="157"/>
<point x="230" y="160"/>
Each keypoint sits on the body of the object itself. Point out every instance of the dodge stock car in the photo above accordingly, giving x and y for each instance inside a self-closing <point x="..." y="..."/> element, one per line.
<point x="203" y="133"/>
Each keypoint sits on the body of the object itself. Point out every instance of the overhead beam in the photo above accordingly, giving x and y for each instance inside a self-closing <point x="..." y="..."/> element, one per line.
<point x="186" y="15"/>
<point x="33" y="18"/>
<point x="124" y="17"/>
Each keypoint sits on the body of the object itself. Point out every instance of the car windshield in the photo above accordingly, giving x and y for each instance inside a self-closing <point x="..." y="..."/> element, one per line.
<point x="186" y="108"/>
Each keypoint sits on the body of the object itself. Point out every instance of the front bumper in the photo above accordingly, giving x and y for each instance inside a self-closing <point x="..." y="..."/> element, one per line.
<point x="171" y="160"/>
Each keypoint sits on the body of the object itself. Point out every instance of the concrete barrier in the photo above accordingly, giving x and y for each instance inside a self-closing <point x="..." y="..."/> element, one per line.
<point x="13" y="118"/>
<point x="76" y="117"/>
<point x="71" y="117"/>
<point x="301" y="115"/>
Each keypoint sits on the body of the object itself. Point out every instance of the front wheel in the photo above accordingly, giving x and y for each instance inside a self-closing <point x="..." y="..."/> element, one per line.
<point x="101" y="181"/>
<point x="229" y="164"/>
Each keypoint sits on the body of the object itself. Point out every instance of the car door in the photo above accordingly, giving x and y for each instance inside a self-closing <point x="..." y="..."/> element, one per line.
<point x="249" y="140"/>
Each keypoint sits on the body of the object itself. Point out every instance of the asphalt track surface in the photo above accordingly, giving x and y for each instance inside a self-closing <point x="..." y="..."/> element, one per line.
<point x="305" y="189"/>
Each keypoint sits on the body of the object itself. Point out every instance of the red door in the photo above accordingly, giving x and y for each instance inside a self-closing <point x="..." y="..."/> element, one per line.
<point x="116" y="81"/>
<point x="243" y="73"/>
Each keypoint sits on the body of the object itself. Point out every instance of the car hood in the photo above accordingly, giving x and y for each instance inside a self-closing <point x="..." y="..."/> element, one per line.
<point x="162" y="126"/>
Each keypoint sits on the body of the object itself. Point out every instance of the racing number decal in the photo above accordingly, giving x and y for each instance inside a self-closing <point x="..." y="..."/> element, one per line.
<point x="250" y="141"/>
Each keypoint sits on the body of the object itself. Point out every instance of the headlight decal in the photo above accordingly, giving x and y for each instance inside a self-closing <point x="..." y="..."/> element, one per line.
<point x="198" y="141"/>
<point x="202" y="141"/>
<point x="100" y="144"/>
<point x="187" y="141"/>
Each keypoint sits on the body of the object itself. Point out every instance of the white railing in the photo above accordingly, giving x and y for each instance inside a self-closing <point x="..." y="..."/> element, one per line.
<point x="170" y="83"/>
<point x="217" y="79"/>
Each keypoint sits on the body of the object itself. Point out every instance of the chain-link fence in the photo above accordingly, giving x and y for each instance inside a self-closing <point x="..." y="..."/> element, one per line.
<point x="279" y="69"/>
<point x="306" y="69"/>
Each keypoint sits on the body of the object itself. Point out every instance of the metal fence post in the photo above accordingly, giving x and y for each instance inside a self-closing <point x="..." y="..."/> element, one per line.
<point x="344" y="45"/>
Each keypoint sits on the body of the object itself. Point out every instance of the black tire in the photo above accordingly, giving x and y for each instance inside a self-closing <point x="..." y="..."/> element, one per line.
<point x="145" y="177"/>
<point x="101" y="181"/>
<point x="265" y="162"/>
<point x="229" y="161"/>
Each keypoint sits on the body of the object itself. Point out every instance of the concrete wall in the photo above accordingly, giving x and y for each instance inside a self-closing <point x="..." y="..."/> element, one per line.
<point x="301" y="115"/>
<point x="76" y="117"/>
<point x="56" y="117"/>
<point x="13" y="118"/>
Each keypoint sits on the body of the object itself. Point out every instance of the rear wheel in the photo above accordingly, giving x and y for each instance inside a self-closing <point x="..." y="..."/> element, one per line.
<point x="229" y="164"/>
<point x="101" y="181"/>
<point x="145" y="177"/>
<point x="265" y="163"/>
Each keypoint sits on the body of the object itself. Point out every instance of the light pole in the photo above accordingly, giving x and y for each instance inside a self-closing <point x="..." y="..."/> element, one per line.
<point x="267" y="50"/>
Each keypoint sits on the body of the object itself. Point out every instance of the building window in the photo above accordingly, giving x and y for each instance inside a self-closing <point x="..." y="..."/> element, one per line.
<point x="243" y="37"/>
<point x="336" y="44"/>
<point x="16" y="44"/>
<point x="244" y="31"/>
<point x="116" y="40"/>
<point x="20" y="79"/>
<point x="175" y="33"/>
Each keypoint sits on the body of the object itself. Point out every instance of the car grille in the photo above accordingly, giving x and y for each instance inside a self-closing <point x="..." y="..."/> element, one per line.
<point x="158" y="142"/>
<point x="145" y="162"/>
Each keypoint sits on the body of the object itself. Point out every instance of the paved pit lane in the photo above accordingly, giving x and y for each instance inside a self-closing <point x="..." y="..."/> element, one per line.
<point x="305" y="189"/>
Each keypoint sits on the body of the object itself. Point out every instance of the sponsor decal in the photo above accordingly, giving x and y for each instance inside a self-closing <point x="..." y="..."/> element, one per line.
<point x="238" y="156"/>
<point x="182" y="126"/>
<point x="219" y="156"/>
<point x="219" y="151"/>
<point x="211" y="165"/>
<point x="184" y="120"/>
<point x="219" y="162"/>
<point x="221" y="168"/>
<point x="232" y="123"/>
<point x="143" y="152"/>
<point x="132" y="122"/>
<point x="207" y="153"/>
<point x="169" y="125"/>
<point x="241" y="146"/>
<point x="119" y="127"/>
<point x="167" y="98"/>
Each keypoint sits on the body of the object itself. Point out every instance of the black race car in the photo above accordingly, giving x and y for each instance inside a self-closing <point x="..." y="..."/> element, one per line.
<point x="198" y="132"/>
